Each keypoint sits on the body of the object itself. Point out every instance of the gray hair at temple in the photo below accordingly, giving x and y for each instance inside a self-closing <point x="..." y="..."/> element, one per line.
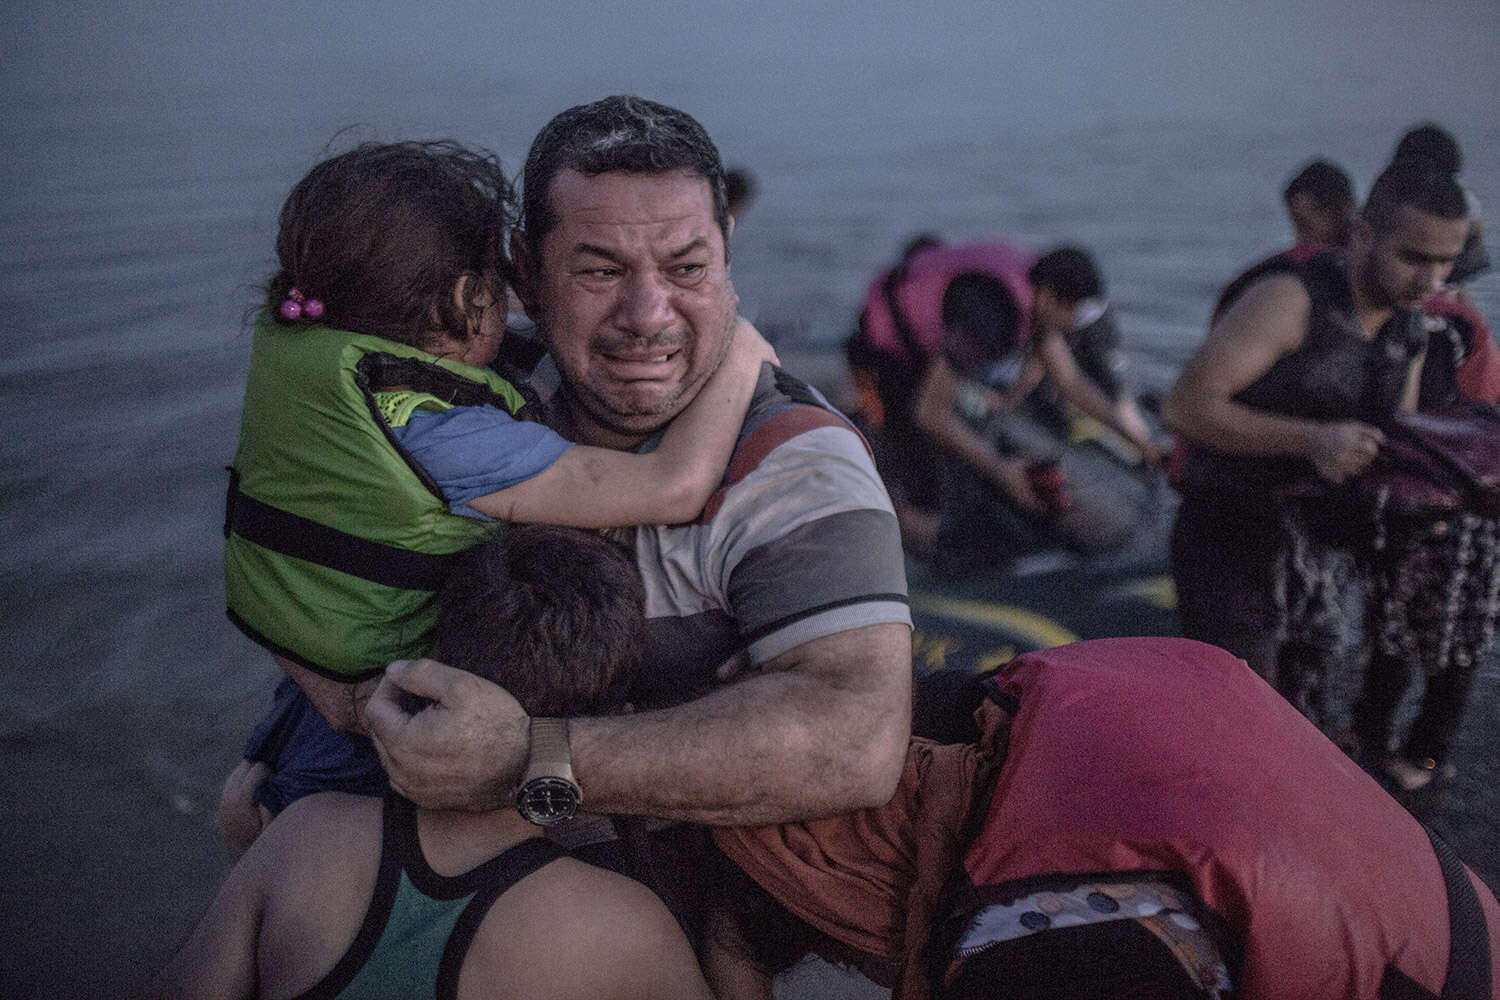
<point x="621" y="134"/>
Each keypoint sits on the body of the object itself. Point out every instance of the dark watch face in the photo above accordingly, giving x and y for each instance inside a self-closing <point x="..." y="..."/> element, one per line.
<point x="544" y="801"/>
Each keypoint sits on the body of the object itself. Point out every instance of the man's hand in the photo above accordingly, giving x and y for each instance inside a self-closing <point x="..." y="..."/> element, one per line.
<point x="448" y="739"/>
<point x="1344" y="449"/>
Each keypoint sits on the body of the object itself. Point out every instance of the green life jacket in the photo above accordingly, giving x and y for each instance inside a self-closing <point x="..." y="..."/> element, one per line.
<point x="335" y="541"/>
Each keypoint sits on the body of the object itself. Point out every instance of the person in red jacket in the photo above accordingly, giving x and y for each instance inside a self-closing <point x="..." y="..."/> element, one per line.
<point x="1106" y="838"/>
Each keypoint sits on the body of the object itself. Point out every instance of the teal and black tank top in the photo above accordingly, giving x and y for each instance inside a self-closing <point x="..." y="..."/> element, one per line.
<point x="420" y="924"/>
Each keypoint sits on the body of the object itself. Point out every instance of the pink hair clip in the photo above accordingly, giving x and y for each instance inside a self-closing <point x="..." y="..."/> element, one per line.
<point x="296" y="306"/>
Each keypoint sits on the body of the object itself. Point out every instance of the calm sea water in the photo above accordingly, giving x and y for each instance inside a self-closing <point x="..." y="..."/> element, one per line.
<point x="145" y="163"/>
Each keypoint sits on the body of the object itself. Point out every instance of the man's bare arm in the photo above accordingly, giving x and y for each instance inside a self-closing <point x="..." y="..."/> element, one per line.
<point x="821" y="729"/>
<point x="1083" y="392"/>
<point x="1265" y="324"/>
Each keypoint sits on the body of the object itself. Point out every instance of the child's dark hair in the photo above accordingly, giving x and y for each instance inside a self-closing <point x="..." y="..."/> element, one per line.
<point x="553" y="615"/>
<point x="1070" y="272"/>
<point x="381" y="235"/>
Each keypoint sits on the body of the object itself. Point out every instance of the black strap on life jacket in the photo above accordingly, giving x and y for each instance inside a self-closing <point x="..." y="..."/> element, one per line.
<point x="301" y="538"/>
<point x="888" y="288"/>
<point x="380" y="371"/>
<point x="389" y="565"/>
<point x="1323" y="272"/>
<point x="1468" y="973"/>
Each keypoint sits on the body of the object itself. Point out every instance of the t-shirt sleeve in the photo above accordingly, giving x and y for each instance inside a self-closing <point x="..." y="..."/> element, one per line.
<point x="472" y="451"/>
<point x="815" y="548"/>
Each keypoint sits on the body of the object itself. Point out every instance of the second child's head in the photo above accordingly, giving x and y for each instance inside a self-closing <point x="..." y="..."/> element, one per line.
<point x="553" y="615"/>
<point x="403" y="241"/>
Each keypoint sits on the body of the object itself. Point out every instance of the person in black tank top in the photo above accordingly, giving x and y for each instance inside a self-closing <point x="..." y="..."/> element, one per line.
<point x="1282" y="405"/>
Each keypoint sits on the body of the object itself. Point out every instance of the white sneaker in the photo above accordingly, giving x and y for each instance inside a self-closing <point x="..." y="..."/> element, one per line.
<point x="1408" y="775"/>
<point x="1412" y="776"/>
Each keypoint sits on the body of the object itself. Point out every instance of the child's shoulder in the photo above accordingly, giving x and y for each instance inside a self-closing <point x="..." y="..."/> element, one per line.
<point x="595" y="931"/>
<point x="316" y="827"/>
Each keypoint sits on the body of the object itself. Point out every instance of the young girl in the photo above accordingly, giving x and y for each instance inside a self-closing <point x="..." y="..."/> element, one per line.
<point x="369" y="365"/>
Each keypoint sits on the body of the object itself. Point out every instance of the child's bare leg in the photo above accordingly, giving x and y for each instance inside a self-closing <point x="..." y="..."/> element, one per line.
<point x="731" y="973"/>
<point x="241" y="818"/>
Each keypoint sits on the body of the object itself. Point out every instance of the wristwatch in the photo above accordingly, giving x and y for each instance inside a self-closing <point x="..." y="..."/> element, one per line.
<point x="548" y="793"/>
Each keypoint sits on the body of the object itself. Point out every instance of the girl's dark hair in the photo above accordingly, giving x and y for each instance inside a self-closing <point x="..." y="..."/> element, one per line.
<point x="382" y="233"/>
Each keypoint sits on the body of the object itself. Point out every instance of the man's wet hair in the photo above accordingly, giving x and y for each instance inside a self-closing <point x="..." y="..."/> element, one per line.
<point x="981" y="307"/>
<point x="620" y="134"/>
<point x="1069" y="272"/>
<point x="382" y="233"/>
<point x="553" y="615"/>
<point x="1327" y="183"/>
<point x="1415" y="182"/>
<point x="1434" y="143"/>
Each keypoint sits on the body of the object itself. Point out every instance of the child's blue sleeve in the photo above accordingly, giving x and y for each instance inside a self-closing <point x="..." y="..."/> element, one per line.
<point x="471" y="451"/>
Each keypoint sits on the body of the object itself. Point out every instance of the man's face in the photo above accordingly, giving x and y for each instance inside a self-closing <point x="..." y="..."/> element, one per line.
<point x="634" y="297"/>
<point x="1411" y="260"/>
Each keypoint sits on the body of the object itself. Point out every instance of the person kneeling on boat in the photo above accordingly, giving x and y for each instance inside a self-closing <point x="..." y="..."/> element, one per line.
<point x="930" y="327"/>
<point x="350" y="896"/>
<point x="1102" y="840"/>
<point x="1069" y="300"/>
